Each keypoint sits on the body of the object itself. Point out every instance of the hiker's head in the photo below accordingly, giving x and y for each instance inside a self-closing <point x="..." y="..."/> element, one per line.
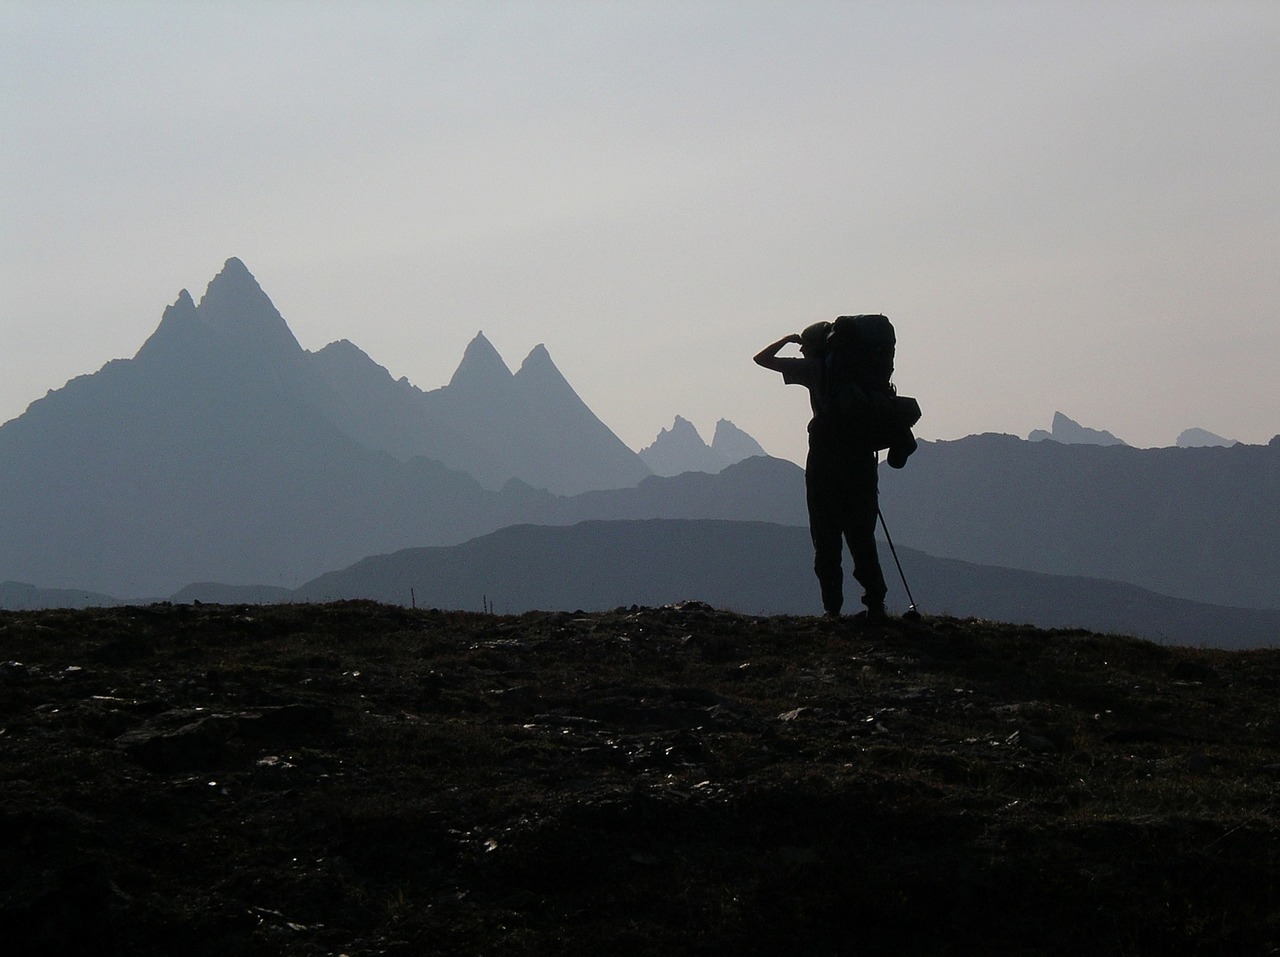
<point x="813" y="341"/>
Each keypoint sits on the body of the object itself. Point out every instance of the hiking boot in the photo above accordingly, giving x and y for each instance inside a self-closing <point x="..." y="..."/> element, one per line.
<point x="874" y="615"/>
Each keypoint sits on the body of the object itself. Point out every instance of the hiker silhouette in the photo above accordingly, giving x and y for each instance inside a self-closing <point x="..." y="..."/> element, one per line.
<point x="846" y="366"/>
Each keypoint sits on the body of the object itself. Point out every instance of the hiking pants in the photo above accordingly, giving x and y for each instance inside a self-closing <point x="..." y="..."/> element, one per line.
<point x="841" y="487"/>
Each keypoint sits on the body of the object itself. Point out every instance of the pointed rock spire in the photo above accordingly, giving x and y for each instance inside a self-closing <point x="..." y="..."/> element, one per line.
<point x="538" y="361"/>
<point x="538" y="373"/>
<point x="183" y="307"/>
<point x="235" y="322"/>
<point x="176" y="323"/>
<point x="235" y="304"/>
<point x="734" y="444"/>
<point x="685" y="430"/>
<point x="1070" y="432"/>
<point x="481" y="366"/>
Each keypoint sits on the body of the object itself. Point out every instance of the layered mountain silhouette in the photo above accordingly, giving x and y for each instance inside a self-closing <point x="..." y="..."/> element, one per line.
<point x="1194" y="523"/>
<point x="1070" y="432"/>
<point x="753" y="567"/>
<point x="681" y="449"/>
<point x="486" y="422"/>
<point x="225" y="451"/>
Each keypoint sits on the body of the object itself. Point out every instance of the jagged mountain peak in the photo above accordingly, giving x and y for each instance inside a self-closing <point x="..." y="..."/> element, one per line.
<point x="1070" y="432"/>
<point x="233" y="280"/>
<point x="182" y="304"/>
<point x="538" y="375"/>
<point x="682" y="435"/>
<point x="344" y="357"/>
<point x="681" y="449"/>
<point x="538" y="367"/>
<point x="685" y="427"/>
<point x="176" y="324"/>
<point x="734" y="444"/>
<point x="347" y="352"/>
<point x="234" y="312"/>
<point x="480" y="367"/>
<point x="234" y="300"/>
<point x="538" y="362"/>
<point x="182" y="310"/>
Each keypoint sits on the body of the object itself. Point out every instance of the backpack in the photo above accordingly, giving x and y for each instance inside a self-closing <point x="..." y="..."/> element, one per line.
<point x="858" y="387"/>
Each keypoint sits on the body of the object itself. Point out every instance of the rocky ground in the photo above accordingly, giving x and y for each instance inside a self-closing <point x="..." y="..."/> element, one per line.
<point x="363" y="779"/>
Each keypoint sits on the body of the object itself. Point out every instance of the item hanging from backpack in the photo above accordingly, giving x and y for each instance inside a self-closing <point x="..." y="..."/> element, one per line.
<point x="858" y="387"/>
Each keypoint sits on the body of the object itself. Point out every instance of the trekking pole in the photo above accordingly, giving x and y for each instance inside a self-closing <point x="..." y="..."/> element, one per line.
<point x="912" y="612"/>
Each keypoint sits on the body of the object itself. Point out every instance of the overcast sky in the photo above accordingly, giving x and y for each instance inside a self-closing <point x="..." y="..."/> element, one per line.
<point x="1065" y="206"/>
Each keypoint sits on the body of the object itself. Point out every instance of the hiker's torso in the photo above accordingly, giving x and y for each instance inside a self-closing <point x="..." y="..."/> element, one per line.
<point x="828" y="432"/>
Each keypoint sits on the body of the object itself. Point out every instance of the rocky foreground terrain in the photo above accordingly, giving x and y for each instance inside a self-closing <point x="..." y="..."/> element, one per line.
<point x="364" y="779"/>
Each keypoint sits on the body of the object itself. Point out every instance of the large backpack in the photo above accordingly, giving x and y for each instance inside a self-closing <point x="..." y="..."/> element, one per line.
<point x="858" y="387"/>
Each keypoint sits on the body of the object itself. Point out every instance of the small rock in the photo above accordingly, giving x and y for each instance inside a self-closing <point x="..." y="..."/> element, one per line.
<point x="14" y="672"/>
<point x="194" y="746"/>
<point x="1029" y="741"/>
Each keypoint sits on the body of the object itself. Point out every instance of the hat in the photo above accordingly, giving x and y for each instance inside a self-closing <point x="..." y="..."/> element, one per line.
<point x="815" y="335"/>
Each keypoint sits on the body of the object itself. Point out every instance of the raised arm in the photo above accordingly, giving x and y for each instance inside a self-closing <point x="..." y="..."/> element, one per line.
<point x="768" y="356"/>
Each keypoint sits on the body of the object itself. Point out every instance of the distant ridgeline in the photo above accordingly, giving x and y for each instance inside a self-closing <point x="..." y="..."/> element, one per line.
<point x="1195" y="523"/>
<point x="1070" y="432"/>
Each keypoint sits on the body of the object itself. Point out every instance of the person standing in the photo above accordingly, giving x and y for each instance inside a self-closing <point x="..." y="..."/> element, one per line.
<point x="841" y="476"/>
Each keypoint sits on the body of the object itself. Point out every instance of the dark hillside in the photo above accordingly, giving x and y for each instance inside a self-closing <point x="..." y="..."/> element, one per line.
<point x="366" y="779"/>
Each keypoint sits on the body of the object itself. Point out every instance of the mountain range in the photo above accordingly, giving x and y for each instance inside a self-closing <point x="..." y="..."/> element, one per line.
<point x="681" y="449"/>
<point x="224" y="452"/>
<point x="1071" y="432"/>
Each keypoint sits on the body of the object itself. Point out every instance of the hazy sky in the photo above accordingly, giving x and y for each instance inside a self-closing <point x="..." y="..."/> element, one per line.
<point x="1065" y="206"/>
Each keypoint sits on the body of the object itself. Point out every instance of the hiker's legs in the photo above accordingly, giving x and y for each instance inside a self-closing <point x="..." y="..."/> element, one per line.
<point x="860" y="530"/>
<point x="866" y="567"/>
<point x="827" y="547"/>
<point x="825" y="533"/>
